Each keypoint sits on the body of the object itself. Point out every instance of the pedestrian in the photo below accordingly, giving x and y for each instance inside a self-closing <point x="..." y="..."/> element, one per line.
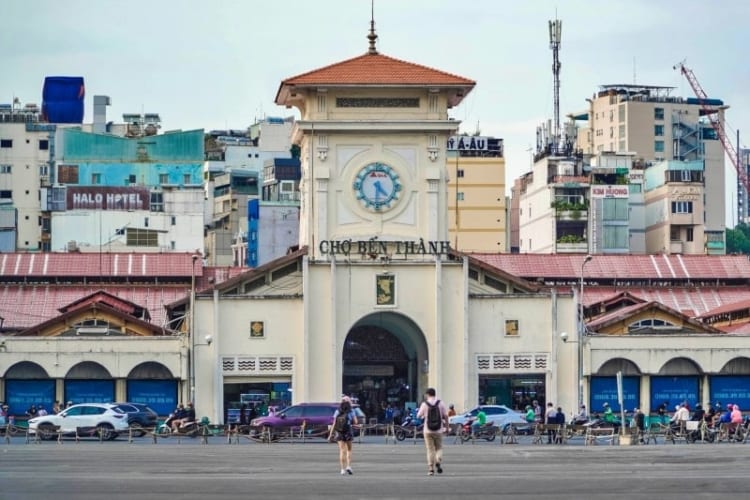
<point x="31" y="412"/>
<point x="56" y="408"/>
<point x="550" y="418"/>
<point x="344" y="419"/>
<point x="41" y="411"/>
<point x="435" y="416"/>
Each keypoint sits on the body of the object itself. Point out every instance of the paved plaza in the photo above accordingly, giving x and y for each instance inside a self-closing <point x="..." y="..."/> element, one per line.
<point x="190" y="470"/>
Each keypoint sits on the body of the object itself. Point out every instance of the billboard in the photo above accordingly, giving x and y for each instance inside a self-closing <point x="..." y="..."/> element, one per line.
<point x="604" y="390"/>
<point x="107" y="198"/>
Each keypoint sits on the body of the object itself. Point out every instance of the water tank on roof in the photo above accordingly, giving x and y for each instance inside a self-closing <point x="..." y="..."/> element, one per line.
<point x="62" y="99"/>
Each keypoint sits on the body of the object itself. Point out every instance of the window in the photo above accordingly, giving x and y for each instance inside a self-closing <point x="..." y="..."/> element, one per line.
<point x="44" y="170"/>
<point x="621" y="131"/>
<point x="659" y="146"/>
<point x="186" y="179"/>
<point x="511" y="327"/>
<point x="674" y="233"/>
<point x="163" y="178"/>
<point x="6" y="143"/>
<point x="460" y="172"/>
<point x="5" y="169"/>
<point x="68" y="174"/>
<point x="621" y="113"/>
<point x="96" y="178"/>
<point x="6" y="194"/>
<point x="689" y="234"/>
<point x="621" y="145"/>
<point x="145" y="222"/>
<point x="172" y="245"/>
<point x="174" y="220"/>
<point x="658" y="130"/>
<point x="658" y="113"/>
<point x="43" y="144"/>
<point x="141" y="237"/>
<point x="157" y="201"/>
<point x="682" y="207"/>
<point x="460" y="196"/>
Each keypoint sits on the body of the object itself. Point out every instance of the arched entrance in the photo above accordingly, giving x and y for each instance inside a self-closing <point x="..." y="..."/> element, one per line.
<point x="26" y="384"/>
<point x="89" y="382"/>
<point x="384" y="362"/>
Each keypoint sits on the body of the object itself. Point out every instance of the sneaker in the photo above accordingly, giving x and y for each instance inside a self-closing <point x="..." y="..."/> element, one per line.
<point x="349" y="471"/>
<point x="343" y="472"/>
<point x="439" y="468"/>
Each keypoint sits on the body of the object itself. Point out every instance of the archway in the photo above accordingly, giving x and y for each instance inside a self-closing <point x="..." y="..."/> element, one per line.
<point x="603" y="388"/>
<point x="151" y="383"/>
<point x="26" y="384"/>
<point x="678" y="381"/>
<point x="383" y="357"/>
<point x="89" y="382"/>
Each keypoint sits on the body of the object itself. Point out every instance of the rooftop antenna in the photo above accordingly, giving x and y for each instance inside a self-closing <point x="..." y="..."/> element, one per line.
<point x="555" y="37"/>
<point x="634" y="74"/>
<point x="372" y="37"/>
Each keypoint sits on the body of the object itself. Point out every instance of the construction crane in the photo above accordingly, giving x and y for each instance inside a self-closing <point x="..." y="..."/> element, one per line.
<point x="712" y="113"/>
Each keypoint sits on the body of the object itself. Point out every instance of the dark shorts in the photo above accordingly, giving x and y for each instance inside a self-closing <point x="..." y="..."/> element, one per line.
<point x="344" y="436"/>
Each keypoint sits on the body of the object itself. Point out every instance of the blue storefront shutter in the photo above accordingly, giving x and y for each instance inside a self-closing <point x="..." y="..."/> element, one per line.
<point x="90" y="391"/>
<point x="674" y="390"/>
<point x="159" y="395"/>
<point x="21" y="394"/>
<point x="604" y="390"/>
<point x="730" y="389"/>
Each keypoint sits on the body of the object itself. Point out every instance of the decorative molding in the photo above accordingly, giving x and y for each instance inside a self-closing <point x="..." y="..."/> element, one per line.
<point x="322" y="147"/>
<point x="521" y="362"/>
<point x="432" y="147"/>
<point x="257" y="365"/>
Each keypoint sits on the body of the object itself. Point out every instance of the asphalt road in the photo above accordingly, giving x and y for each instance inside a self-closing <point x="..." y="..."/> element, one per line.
<point x="167" y="470"/>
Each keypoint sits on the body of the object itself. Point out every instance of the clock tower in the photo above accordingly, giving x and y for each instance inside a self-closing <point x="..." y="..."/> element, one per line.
<point x="373" y="134"/>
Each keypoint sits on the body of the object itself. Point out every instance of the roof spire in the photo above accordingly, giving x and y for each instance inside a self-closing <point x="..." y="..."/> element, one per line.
<point x="372" y="36"/>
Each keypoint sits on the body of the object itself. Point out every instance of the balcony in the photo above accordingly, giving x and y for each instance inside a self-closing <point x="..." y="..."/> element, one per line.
<point x="580" y="247"/>
<point x="572" y="215"/>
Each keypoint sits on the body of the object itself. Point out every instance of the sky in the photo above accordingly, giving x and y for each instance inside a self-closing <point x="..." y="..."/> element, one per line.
<point x="218" y="65"/>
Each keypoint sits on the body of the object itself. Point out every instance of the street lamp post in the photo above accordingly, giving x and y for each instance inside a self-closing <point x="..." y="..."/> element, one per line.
<point x="191" y="326"/>
<point x="581" y="332"/>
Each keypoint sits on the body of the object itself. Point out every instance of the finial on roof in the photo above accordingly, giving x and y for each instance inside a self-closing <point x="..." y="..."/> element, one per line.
<point x="372" y="36"/>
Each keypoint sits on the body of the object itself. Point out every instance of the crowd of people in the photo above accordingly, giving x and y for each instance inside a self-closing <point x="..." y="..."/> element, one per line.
<point x="35" y="410"/>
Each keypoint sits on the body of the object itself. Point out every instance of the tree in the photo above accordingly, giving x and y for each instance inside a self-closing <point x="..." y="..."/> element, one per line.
<point x="738" y="239"/>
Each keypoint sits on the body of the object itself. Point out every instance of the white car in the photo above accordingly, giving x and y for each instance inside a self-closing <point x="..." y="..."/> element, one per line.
<point x="499" y="415"/>
<point x="106" y="418"/>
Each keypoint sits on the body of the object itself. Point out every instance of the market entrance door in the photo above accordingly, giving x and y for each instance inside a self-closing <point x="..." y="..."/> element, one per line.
<point x="382" y="357"/>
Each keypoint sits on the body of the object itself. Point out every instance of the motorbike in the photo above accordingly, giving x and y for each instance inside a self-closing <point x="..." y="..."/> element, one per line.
<point x="487" y="431"/>
<point x="410" y="426"/>
<point x="191" y="429"/>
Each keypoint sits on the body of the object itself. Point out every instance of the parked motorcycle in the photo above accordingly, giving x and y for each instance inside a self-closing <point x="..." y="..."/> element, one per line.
<point x="410" y="426"/>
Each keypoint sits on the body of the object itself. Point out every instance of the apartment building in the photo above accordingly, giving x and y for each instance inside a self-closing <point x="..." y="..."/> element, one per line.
<point x="25" y="145"/>
<point x="657" y="126"/>
<point x="476" y="199"/>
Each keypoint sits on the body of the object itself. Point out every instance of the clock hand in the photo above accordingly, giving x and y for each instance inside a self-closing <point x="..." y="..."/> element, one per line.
<point x="379" y="188"/>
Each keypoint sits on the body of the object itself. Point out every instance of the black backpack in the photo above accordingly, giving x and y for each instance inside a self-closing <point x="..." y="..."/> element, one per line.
<point x="434" y="418"/>
<point x="341" y="425"/>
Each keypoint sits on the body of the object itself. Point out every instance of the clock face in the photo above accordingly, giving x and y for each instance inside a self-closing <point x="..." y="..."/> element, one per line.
<point x="377" y="186"/>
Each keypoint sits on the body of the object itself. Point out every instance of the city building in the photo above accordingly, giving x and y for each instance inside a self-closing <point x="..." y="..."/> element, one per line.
<point x="142" y="192"/>
<point x="657" y="126"/>
<point x="25" y="143"/>
<point x="476" y="194"/>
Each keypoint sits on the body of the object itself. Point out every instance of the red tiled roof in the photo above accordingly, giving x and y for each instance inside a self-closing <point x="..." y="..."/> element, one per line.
<point x="24" y="305"/>
<point x="96" y="265"/>
<point x="697" y="301"/>
<point x="375" y="69"/>
<point x="654" y="267"/>
<point x="728" y="308"/>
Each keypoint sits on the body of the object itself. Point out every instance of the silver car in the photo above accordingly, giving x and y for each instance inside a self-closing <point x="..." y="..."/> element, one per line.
<point x="499" y="415"/>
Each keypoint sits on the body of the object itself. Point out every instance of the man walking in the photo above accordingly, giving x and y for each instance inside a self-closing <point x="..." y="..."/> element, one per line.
<point x="435" y="417"/>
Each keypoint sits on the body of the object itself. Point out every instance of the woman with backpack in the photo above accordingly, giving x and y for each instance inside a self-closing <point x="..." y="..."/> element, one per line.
<point x="341" y="431"/>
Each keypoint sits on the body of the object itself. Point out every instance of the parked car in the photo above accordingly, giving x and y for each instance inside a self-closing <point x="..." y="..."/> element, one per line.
<point x="499" y="415"/>
<point x="108" y="420"/>
<point x="139" y="416"/>
<point x="313" y="414"/>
